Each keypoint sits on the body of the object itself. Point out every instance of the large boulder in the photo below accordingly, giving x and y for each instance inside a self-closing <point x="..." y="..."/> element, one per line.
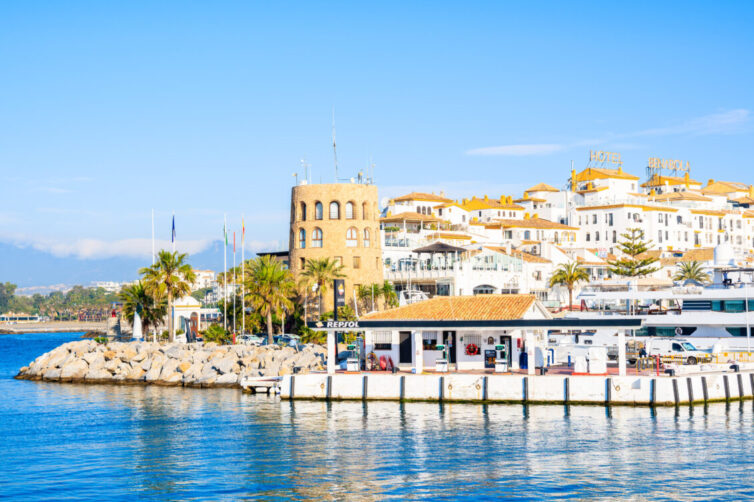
<point x="98" y="375"/>
<point x="57" y="357"/>
<point x="155" y="369"/>
<point x="226" y="364"/>
<point x="51" y="374"/>
<point x="74" y="370"/>
<point x="227" y="379"/>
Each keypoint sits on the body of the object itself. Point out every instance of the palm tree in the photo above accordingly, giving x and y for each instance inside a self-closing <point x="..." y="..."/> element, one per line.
<point x="170" y="276"/>
<point x="568" y="275"/>
<point x="364" y="293"/>
<point x="136" y="298"/>
<point x="691" y="270"/>
<point x="322" y="271"/>
<point x="388" y="294"/>
<point x="269" y="288"/>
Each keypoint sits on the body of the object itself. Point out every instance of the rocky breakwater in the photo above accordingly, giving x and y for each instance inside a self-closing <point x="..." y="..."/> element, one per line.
<point x="193" y="364"/>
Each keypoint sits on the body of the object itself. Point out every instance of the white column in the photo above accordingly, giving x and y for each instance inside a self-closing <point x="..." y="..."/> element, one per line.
<point x="418" y="350"/>
<point x="531" y="359"/>
<point x="622" y="353"/>
<point x="330" y="352"/>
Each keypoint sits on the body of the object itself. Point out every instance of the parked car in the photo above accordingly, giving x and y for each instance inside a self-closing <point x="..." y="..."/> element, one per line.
<point x="676" y="347"/>
<point x="249" y="339"/>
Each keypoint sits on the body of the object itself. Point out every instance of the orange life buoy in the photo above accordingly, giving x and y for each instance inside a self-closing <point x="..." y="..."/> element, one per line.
<point x="472" y="350"/>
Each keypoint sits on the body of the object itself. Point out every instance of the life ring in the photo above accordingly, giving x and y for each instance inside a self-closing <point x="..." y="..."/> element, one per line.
<point x="472" y="350"/>
<point x="372" y="361"/>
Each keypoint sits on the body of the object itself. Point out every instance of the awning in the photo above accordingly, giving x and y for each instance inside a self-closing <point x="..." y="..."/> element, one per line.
<point x="439" y="247"/>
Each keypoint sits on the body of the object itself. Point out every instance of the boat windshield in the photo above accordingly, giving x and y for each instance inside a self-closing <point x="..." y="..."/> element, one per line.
<point x="688" y="346"/>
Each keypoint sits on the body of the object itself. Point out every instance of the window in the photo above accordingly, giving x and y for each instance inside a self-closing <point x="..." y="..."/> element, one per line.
<point x="367" y="240"/>
<point x="302" y="212"/>
<point x="615" y="236"/>
<point x="527" y="235"/>
<point x="659" y="236"/>
<point x="596" y="236"/>
<point x="317" y="238"/>
<point x="352" y="238"/>
<point x="484" y="289"/>
<point x="302" y="238"/>
<point x="356" y="262"/>
<point x="338" y="260"/>
<point x="364" y="210"/>
<point x="594" y="218"/>
<point x="429" y="340"/>
<point x="737" y="331"/>
<point x="318" y="211"/>
<point x="350" y="213"/>
<point x="334" y="211"/>
<point x="587" y="236"/>
<point x="383" y="340"/>
<point x="610" y="219"/>
<point x="302" y="263"/>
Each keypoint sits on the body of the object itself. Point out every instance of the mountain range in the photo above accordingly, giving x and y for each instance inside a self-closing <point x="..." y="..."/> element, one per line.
<point x="30" y="268"/>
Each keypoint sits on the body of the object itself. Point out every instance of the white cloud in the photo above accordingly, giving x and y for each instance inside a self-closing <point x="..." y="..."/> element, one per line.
<point x="716" y="123"/>
<point x="517" y="150"/>
<point x="728" y="122"/>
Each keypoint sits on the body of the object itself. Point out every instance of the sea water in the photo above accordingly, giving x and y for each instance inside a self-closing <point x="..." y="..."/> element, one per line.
<point x="74" y="442"/>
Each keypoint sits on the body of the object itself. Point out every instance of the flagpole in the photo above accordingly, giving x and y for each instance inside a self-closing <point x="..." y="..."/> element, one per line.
<point x="243" y="277"/>
<point x="234" y="282"/>
<point x="225" y="275"/>
<point x="172" y="236"/>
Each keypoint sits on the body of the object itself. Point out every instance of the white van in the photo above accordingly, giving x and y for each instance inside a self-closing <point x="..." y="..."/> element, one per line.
<point x="676" y="347"/>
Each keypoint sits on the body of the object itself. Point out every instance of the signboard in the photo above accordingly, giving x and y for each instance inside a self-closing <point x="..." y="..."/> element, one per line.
<point x="339" y="292"/>
<point x="605" y="157"/>
<point x="674" y="165"/>
<point x="341" y="324"/>
<point x="489" y="358"/>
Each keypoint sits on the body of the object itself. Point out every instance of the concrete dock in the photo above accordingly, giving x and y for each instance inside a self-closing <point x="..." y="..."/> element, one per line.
<point x="516" y="388"/>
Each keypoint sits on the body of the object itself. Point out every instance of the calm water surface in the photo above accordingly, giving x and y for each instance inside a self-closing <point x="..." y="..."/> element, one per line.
<point x="73" y="442"/>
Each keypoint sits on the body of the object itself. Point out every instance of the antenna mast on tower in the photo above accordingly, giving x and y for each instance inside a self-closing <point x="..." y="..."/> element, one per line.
<point x="334" y="148"/>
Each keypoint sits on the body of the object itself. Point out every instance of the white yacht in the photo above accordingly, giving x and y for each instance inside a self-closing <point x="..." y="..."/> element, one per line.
<point x="716" y="314"/>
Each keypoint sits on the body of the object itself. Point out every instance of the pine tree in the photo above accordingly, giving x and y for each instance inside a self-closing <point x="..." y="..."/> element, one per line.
<point x="631" y="264"/>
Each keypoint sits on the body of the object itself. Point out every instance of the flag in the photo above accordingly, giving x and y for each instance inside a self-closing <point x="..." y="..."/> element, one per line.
<point x="225" y="232"/>
<point x="234" y="243"/>
<point x="172" y="237"/>
<point x="243" y="231"/>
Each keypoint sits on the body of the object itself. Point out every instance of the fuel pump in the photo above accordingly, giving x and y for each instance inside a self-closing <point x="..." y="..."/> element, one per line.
<point x="441" y="365"/>
<point x="501" y="363"/>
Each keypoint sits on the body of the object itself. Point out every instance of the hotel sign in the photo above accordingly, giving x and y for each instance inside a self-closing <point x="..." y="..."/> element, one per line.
<point x="605" y="157"/>
<point x="669" y="164"/>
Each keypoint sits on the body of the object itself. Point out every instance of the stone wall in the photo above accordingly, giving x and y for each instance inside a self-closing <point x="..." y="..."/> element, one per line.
<point x="193" y="364"/>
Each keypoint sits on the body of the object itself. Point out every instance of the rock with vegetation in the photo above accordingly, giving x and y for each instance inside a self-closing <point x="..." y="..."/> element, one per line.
<point x="192" y="364"/>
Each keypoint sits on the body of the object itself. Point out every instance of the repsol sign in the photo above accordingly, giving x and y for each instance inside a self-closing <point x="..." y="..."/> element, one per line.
<point x="341" y="324"/>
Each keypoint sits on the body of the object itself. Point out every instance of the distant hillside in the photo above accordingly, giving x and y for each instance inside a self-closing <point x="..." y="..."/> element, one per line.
<point x="29" y="267"/>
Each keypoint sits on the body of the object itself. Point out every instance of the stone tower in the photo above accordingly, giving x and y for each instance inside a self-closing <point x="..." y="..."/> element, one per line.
<point x="340" y="221"/>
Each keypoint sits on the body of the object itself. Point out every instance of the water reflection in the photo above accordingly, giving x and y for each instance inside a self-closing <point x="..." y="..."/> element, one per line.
<point x="95" y="441"/>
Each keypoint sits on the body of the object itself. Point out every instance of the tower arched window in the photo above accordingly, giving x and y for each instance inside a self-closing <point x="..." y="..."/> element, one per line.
<point x="318" y="211"/>
<point x="317" y="238"/>
<point x="364" y="210"/>
<point x="334" y="211"/>
<point x="302" y="238"/>
<point x="352" y="237"/>
<point x="302" y="212"/>
<point x="350" y="213"/>
<point x="367" y="238"/>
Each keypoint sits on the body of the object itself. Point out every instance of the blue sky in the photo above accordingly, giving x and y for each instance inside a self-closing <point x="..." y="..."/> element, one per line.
<point x="108" y="109"/>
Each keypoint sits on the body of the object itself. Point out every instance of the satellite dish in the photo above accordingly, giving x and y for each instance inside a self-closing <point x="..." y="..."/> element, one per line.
<point x="384" y="202"/>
